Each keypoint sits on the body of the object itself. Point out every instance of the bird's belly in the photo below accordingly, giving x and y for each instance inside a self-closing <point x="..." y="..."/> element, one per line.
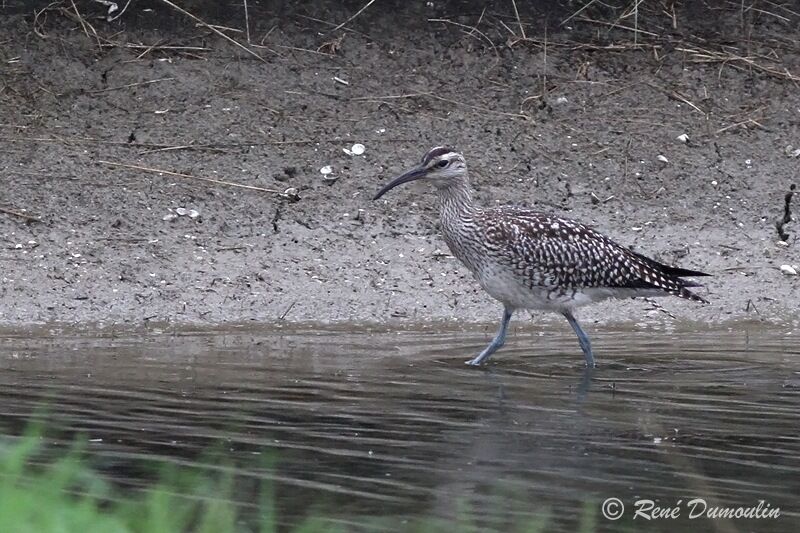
<point x="506" y="286"/>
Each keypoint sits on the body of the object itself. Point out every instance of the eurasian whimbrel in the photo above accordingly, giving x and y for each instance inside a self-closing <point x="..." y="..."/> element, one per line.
<point x="532" y="260"/>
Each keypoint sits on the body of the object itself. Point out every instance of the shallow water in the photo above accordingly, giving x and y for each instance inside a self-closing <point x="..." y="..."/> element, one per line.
<point x="393" y="424"/>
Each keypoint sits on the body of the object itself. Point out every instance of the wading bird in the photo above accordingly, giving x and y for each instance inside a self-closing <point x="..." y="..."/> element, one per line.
<point x="531" y="260"/>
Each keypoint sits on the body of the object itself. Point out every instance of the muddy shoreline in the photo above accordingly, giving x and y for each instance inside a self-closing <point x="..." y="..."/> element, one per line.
<point x="576" y="129"/>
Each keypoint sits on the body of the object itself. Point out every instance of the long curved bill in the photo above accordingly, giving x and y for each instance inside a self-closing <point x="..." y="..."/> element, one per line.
<point x="411" y="175"/>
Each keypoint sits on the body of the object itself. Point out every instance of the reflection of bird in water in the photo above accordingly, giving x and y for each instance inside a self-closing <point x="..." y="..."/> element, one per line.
<point x="531" y="260"/>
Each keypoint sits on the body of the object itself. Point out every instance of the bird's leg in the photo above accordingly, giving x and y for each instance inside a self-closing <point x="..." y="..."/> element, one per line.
<point x="586" y="382"/>
<point x="497" y="342"/>
<point x="583" y="339"/>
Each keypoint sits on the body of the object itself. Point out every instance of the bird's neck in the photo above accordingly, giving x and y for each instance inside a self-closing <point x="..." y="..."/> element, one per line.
<point x="455" y="200"/>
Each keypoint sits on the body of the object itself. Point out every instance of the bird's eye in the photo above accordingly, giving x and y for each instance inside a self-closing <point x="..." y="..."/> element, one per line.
<point x="443" y="163"/>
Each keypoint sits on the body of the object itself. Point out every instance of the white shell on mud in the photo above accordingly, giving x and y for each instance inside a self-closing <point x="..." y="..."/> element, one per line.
<point x="662" y="158"/>
<point x="327" y="169"/>
<point x="291" y="193"/>
<point x="356" y="149"/>
<point x="183" y="212"/>
<point x="683" y="138"/>
<point x="789" y="270"/>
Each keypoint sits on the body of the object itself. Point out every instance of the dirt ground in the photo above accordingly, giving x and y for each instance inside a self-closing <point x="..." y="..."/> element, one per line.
<point x="577" y="118"/>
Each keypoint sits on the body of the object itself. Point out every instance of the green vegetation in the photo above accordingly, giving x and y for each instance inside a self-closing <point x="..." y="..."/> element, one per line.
<point x="66" y="495"/>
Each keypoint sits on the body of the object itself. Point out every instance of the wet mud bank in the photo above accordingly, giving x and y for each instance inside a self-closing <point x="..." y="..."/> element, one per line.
<point x="145" y="162"/>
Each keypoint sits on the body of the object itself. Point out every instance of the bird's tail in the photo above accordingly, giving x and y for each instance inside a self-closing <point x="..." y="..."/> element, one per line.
<point x="683" y="292"/>
<point x="682" y="272"/>
<point x="675" y="274"/>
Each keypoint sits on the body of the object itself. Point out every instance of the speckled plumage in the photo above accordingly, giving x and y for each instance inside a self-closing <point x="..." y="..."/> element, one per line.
<point x="557" y="258"/>
<point x="532" y="260"/>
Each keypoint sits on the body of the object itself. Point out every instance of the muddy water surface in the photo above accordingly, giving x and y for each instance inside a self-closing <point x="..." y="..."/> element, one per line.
<point x="393" y="424"/>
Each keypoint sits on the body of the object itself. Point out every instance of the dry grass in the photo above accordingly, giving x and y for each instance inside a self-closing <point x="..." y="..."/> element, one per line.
<point x="628" y="25"/>
<point x="70" y="11"/>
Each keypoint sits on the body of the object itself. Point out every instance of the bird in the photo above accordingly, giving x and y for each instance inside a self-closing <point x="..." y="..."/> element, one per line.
<point x="537" y="261"/>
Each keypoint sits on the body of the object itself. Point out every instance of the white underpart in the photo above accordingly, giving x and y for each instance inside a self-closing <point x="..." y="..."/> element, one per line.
<point x="503" y="285"/>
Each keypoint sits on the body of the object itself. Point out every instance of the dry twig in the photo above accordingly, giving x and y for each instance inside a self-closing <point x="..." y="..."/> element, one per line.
<point x="578" y="12"/>
<point x="247" y="22"/>
<point x="118" y="15"/>
<point x="675" y="95"/>
<point x="214" y="29"/>
<point x="348" y="21"/>
<point x="84" y="24"/>
<point x="516" y="13"/>
<point x="189" y="176"/>
<point x="742" y="124"/>
<point x="129" y="85"/>
<point x="38" y="27"/>
<point x="699" y="55"/>
<point x="636" y="31"/>
<point x="473" y="29"/>
<point x="330" y="47"/>
<point x="13" y="212"/>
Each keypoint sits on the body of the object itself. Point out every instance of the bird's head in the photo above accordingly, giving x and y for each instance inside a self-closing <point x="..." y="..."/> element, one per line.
<point x="441" y="166"/>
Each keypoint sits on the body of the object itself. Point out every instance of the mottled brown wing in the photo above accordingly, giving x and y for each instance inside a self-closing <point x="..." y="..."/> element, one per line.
<point x="551" y="251"/>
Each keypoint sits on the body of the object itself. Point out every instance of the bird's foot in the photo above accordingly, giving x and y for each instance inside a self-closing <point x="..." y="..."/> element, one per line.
<point x="473" y="362"/>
